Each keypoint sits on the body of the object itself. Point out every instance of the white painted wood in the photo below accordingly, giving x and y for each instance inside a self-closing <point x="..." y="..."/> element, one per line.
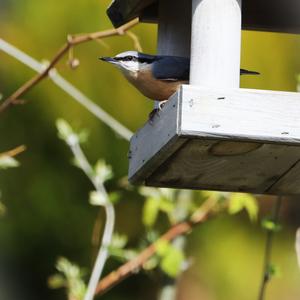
<point x="241" y="114"/>
<point x="216" y="42"/>
<point x="154" y="143"/>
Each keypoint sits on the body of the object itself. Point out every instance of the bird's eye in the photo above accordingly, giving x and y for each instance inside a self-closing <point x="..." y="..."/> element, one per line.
<point x="129" y="58"/>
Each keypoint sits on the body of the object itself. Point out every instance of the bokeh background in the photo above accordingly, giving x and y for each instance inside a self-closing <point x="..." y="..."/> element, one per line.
<point x="48" y="214"/>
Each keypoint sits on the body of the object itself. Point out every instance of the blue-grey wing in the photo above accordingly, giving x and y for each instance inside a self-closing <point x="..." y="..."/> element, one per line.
<point x="171" y="68"/>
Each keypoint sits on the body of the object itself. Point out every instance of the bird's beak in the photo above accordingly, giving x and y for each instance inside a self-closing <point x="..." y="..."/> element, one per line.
<point x="108" y="59"/>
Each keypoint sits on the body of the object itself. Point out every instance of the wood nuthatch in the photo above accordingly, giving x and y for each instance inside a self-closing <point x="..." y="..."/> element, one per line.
<point x="155" y="76"/>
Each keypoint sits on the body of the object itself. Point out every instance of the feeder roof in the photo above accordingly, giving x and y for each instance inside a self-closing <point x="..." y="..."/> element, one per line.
<point x="263" y="15"/>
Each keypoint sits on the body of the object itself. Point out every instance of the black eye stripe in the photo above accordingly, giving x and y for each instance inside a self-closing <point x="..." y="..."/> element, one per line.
<point x="134" y="58"/>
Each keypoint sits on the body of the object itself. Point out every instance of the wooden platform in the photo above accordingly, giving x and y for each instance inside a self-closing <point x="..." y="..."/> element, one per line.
<point x="264" y="15"/>
<point x="230" y="140"/>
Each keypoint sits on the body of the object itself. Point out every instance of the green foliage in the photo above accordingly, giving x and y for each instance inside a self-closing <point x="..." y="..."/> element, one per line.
<point x="171" y="257"/>
<point x="69" y="277"/>
<point x="157" y="200"/>
<point x="117" y="248"/>
<point x="103" y="172"/>
<point x="67" y="134"/>
<point x="270" y="225"/>
<point x="240" y="201"/>
<point x="8" y="162"/>
<point x="274" y="271"/>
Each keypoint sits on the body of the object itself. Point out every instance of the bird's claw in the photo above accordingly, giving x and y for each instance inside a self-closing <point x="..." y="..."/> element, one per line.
<point x="155" y="111"/>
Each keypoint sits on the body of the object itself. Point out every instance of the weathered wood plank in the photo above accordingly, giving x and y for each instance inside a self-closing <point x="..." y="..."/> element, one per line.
<point x="122" y="11"/>
<point x="240" y="114"/>
<point x="154" y="143"/>
<point x="228" y="139"/>
<point x="289" y="183"/>
<point x="266" y="15"/>
<point x="194" y="166"/>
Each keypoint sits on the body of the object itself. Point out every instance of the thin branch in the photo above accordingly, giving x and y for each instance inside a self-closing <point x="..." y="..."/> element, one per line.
<point x="134" y="265"/>
<point x="71" y="42"/>
<point x="109" y="222"/>
<point x="136" y="41"/>
<point x="14" y="152"/>
<point x="268" y="250"/>
<point x="68" y="88"/>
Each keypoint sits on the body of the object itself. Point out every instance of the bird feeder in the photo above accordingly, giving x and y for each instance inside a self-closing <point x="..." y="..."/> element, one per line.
<point x="212" y="134"/>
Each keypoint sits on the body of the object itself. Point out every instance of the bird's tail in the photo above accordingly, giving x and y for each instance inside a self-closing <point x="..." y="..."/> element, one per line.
<point x="247" y="72"/>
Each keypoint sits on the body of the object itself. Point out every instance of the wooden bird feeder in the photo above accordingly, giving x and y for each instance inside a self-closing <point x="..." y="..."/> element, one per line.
<point x="211" y="134"/>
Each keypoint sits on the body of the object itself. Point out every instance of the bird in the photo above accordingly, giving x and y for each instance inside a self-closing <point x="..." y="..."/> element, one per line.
<point x="157" y="77"/>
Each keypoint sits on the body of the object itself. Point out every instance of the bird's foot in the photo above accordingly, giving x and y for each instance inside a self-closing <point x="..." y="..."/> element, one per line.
<point x="156" y="110"/>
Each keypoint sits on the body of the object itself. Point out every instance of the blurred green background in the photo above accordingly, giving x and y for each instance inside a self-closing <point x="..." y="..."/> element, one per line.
<point x="48" y="213"/>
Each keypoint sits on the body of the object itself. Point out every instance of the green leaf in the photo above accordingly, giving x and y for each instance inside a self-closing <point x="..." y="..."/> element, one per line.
<point x="8" y="162"/>
<point x="97" y="198"/>
<point x="64" y="129"/>
<point x="119" y="241"/>
<point x="114" y="197"/>
<point x="57" y="281"/>
<point x="70" y="277"/>
<point x="240" y="201"/>
<point x="150" y="211"/>
<point x="274" y="271"/>
<point x="151" y="264"/>
<point x="172" y="261"/>
<point x="103" y="172"/>
<point x="162" y="247"/>
<point x="269" y="224"/>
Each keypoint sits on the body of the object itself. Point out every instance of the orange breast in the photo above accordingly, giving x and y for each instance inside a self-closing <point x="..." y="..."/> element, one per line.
<point x="151" y="87"/>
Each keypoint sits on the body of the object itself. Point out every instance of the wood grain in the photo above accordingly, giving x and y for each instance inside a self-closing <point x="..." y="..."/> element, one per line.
<point x="241" y="114"/>
<point x="194" y="167"/>
<point x="223" y="139"/>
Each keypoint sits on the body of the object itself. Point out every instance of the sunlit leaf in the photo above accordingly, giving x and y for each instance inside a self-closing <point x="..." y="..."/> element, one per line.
<point x="152" y="263"/>
<point x="97" y="198"/>
<point x="64" y="129"/>
<point x="119" y="241"/>
<point x="172" y="261"/>
<point x="162" y="247"/>
<point x="150" y="211"/>
<point x="70" y="276"/>
<point x="103" y="171"/>
<point x="269" y="224"/>
<point x="57" y="281"/>
<point x="8" y="162"/>
<point x="240" y="201"/>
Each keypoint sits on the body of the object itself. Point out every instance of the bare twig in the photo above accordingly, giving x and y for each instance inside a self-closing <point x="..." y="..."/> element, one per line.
<point x="268" y="250"/>
<point x="85" y="166"/>
<point x="71" y="42"/>
<point x="14" y="152"/>
<point x="68" y="88"/>
<point x="132" y="266"/>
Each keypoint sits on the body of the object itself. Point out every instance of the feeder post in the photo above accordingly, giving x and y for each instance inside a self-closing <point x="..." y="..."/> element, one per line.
<point x="174" y="27"/>
<point x="216" y="43"/>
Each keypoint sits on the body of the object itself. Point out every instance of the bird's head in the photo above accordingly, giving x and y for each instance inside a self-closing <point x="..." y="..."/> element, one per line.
<point x="131" y="61"/>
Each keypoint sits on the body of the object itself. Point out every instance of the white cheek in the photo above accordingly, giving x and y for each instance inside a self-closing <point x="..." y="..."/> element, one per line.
<point x="131" y="66"/>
